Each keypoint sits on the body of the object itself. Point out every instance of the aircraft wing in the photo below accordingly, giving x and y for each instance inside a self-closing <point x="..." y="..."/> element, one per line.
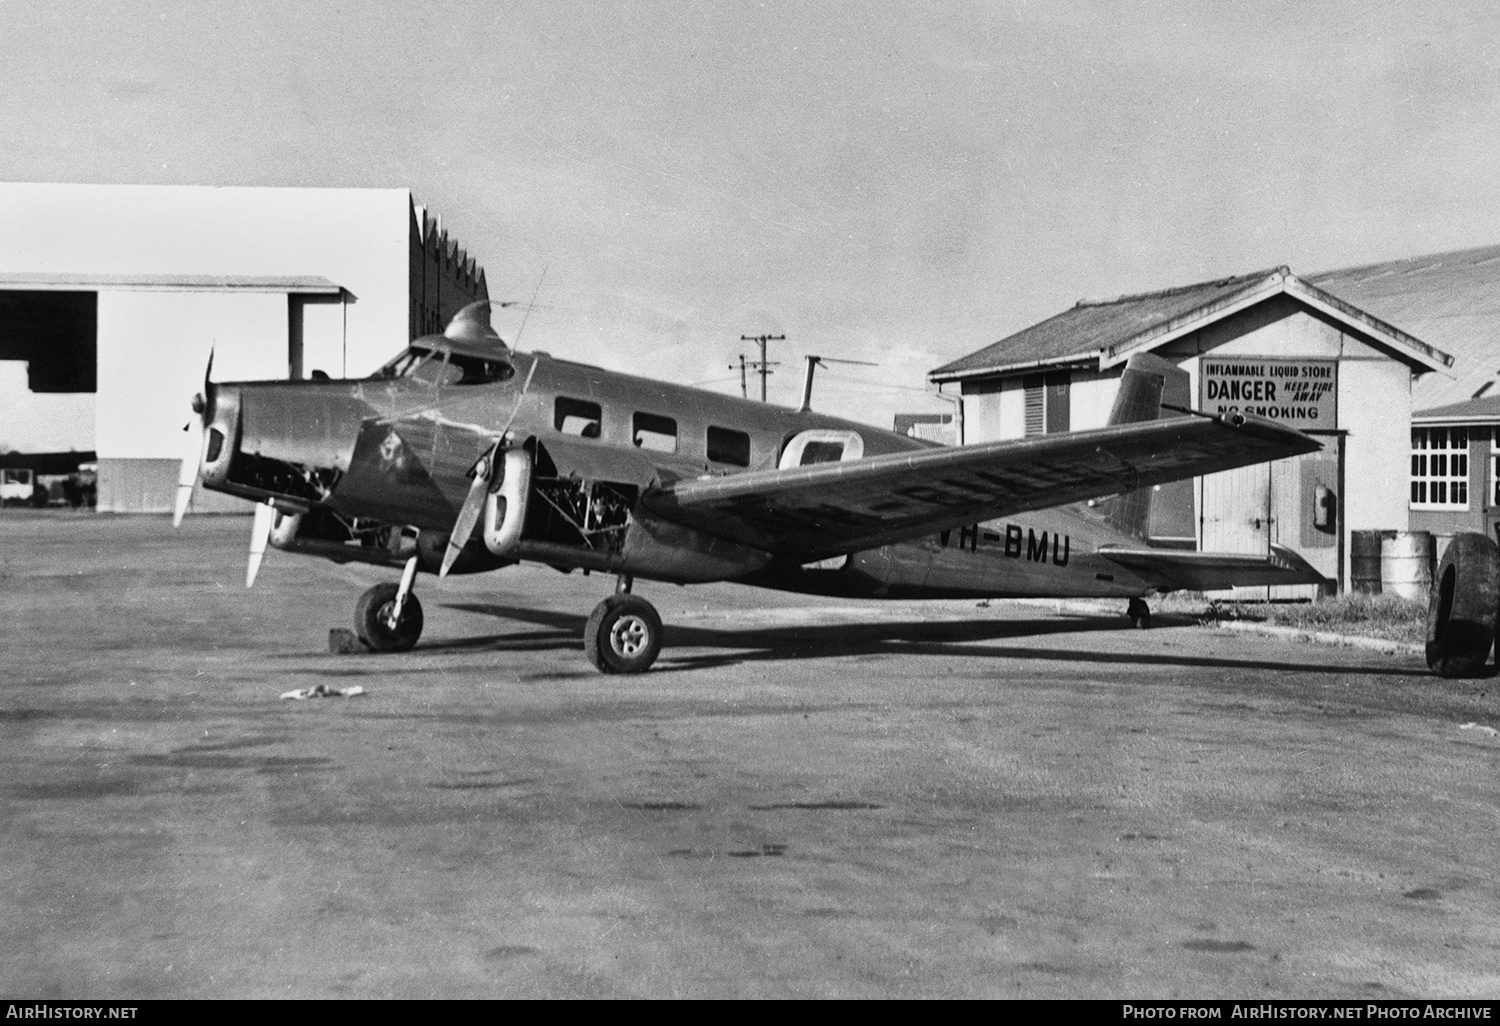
<point x="829" y="508"/>
<point x="1178" y="570"/>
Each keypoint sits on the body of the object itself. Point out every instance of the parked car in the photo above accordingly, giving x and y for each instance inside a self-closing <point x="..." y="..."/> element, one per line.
<point x="18" y="488"/>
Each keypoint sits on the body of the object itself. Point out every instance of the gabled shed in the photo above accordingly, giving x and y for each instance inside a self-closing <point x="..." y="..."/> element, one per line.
<point x="1269" y="344"/>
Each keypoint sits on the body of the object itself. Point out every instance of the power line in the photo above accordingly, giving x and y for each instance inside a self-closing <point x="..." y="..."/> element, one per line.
<point x="880" y="385"/>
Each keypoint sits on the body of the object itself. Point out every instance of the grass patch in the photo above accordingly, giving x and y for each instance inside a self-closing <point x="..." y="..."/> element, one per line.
<point x="1388" y="617"/>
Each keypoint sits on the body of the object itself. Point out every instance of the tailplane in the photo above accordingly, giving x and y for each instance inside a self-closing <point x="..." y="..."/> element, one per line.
<point x="1148" y="382"/>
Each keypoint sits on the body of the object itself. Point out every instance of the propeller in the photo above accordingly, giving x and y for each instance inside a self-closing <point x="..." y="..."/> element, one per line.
<point x="468" y="515"/>
<point x="483" y="475"/>
<point x="187" y="473"/>
<point x="260" y="533"/>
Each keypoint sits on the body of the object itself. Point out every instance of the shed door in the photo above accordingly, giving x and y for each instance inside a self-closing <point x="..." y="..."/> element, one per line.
<point x="1236" y="507"/>
<point x="1298" y="485"/>
<point x="1245" y="510"/>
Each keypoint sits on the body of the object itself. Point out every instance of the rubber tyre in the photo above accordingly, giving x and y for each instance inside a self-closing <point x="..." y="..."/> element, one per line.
<point x="369" y="620"/>
<point x="623" y="635"/>
<point x="1461" y="612"/>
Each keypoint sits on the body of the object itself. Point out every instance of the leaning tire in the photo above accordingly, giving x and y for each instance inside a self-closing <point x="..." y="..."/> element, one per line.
<point x="1461" y="613"/>
<point x="623" y="635"/>
<point x="370" y="620"/>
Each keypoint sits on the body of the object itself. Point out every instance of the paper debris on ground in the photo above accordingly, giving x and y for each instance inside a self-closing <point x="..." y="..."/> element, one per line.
<point x="324" y="691"/>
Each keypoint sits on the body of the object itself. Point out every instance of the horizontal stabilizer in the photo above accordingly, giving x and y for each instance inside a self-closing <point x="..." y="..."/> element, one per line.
<point x="1178" y="570"/>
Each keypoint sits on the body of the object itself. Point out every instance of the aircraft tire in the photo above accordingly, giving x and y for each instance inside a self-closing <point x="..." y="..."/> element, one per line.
<point x="1462" y="610"/>
<point x="623" y="635"/>
<point x="1139" y="614"/>
<point x="369" y="620"/>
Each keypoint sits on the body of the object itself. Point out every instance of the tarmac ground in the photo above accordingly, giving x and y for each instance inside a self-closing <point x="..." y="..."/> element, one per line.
<point x="805" y="798"/>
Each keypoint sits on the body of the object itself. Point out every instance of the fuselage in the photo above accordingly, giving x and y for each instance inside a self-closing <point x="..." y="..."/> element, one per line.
<point x="400" y="449"/>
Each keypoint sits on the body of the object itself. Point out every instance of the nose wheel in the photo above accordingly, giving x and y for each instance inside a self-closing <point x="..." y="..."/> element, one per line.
<point x="623" y="635"/>
<point x="388" y="617"/>
<point x="1139" y="613"/>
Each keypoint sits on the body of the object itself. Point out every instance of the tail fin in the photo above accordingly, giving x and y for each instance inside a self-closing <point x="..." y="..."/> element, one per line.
<point x="1148" y="382"/>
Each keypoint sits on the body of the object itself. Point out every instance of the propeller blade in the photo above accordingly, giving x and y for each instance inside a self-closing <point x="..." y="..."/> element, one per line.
<point x="483" y="473"/>
<point x="260" y="533"/>
<point x="468" y="515"/>
<point x="187" y="474"/>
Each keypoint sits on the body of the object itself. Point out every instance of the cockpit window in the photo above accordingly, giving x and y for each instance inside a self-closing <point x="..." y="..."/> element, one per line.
<point x="404" y="365"/>
<point x="446" y="368"/>
<point x="478" y="370"/>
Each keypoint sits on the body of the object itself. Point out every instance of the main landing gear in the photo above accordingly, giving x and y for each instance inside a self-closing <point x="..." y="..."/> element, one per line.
<point x="1139" y="613"/>
<point x="623" y="634"/>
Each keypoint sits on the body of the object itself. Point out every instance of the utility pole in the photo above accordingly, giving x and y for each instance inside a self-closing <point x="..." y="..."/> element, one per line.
<point x="761" y="365"/>
<point x="744" y="387"/>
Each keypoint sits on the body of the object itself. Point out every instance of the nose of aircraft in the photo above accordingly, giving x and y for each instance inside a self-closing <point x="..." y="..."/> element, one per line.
<point x="285" y="442"/>
<point x="196" y="430"/>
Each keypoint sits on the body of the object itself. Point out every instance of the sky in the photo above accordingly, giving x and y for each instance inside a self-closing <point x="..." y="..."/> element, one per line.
<point x="892" y="182"/>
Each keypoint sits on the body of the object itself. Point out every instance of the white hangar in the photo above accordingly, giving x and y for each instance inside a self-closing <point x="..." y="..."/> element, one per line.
<point x="111" y="298"/>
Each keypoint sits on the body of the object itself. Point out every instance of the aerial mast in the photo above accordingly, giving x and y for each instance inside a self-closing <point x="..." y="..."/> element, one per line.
<point x="807" y="380"/>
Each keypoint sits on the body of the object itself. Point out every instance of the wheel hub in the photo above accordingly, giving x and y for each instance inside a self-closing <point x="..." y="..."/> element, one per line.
<point x="629" y="635"/>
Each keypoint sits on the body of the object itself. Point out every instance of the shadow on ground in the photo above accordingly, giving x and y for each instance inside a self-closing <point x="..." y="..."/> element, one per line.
<point x="826" y="641"/>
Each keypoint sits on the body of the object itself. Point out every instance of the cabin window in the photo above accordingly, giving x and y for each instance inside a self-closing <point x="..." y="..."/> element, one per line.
<point x="1439" y="468"/>
<point x="657" y="433"/>
<point x="821" y="452"/>
<point x="728" y="446"/>
<point x="577" y="417"/>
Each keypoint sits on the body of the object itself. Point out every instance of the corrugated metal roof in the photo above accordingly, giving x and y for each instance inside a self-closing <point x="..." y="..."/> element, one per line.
<point x="52" y="281"/>
<point x="1451" y="300"/>
<point x="1485" y="409"/>
<point x="1103" y="332"/>
<point x="1092" y="326"/>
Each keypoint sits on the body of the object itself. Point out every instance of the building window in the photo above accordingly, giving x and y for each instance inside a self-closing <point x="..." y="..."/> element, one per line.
<point x="1495" y="467"/>
<point x="1440" y="468"/>
<point x="1047" y="403"/>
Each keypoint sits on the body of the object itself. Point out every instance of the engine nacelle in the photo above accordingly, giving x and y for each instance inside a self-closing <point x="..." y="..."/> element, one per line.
<point x="671" y="552"/>
<point x="505" y="506"/>
<point x="284" y="530"/>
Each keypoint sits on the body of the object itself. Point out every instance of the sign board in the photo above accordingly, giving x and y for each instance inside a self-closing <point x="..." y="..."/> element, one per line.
<point x="1299" y="393"/>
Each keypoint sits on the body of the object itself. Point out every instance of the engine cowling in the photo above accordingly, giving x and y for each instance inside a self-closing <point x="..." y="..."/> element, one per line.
<point x="505" y="506"/>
